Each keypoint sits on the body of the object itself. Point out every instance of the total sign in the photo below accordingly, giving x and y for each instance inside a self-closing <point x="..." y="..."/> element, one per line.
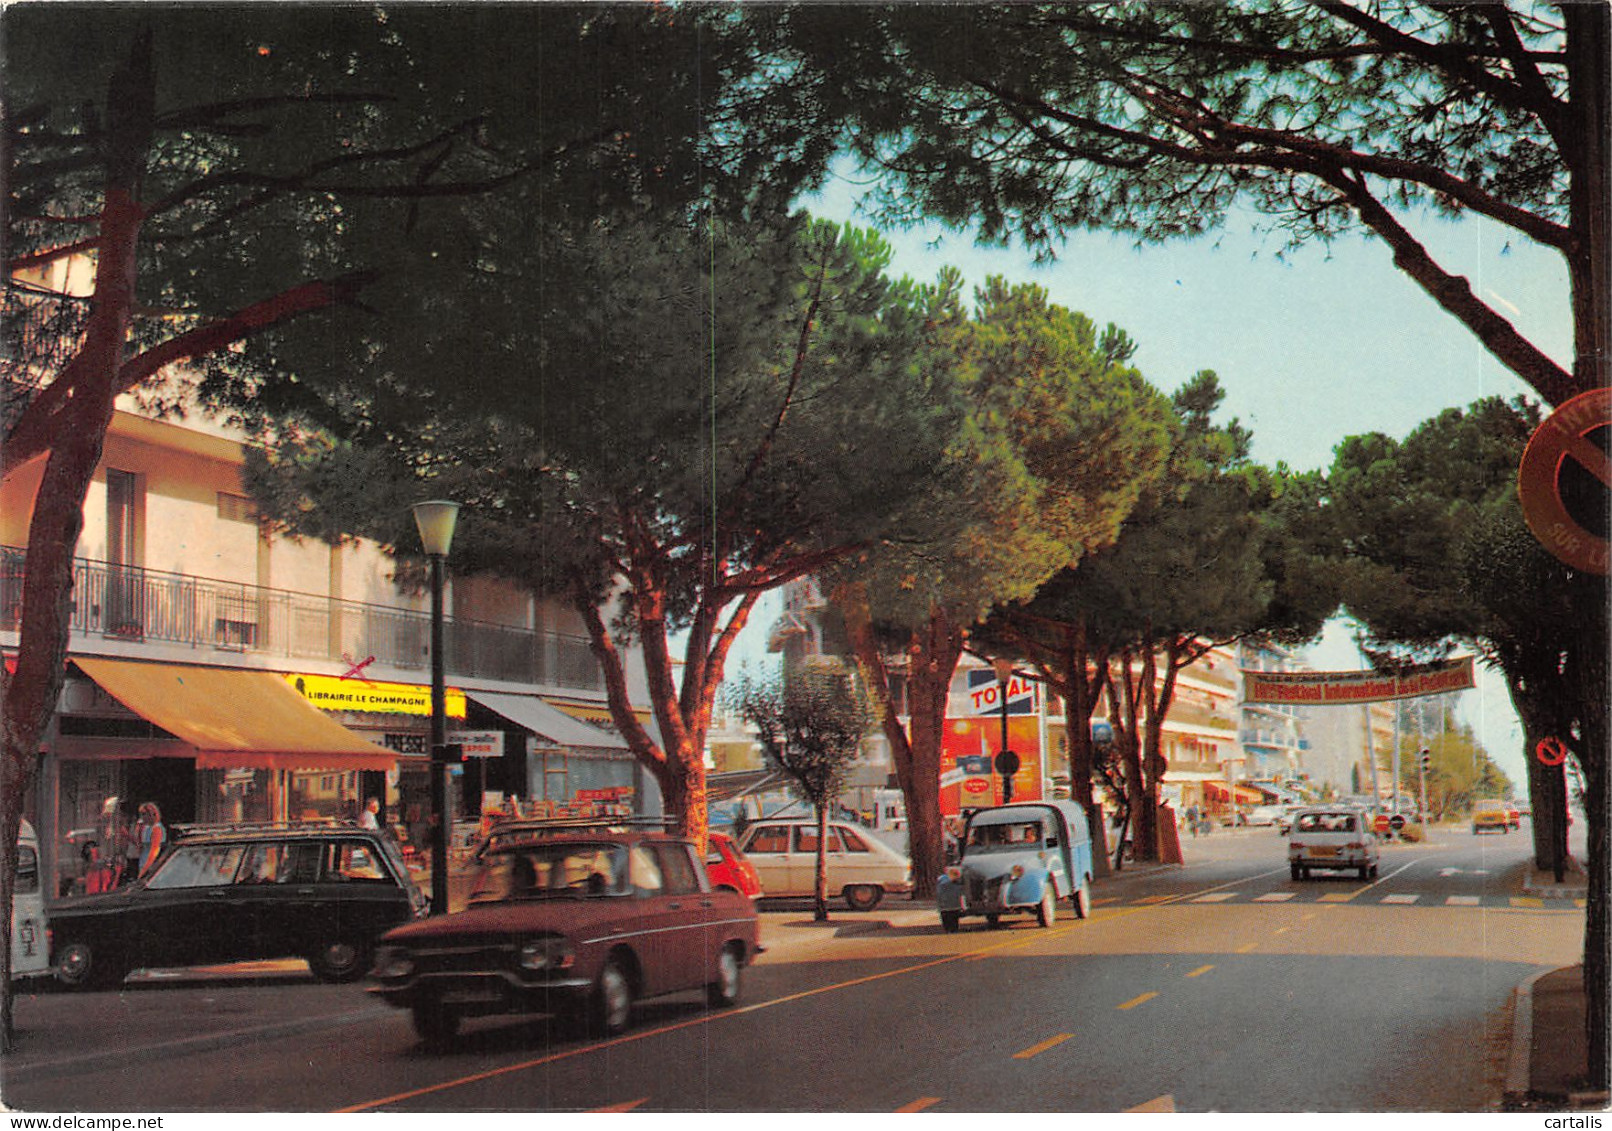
<point x="985" y="694"/>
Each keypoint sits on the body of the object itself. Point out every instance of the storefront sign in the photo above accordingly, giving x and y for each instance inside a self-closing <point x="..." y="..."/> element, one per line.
<point x="985" y="694"/>
<point x="404" y="743"/>
<point x="612" y="793"/>
<point x="479" y="743"/>
<point x="334" y="693"/>
<point x="1357" y="687"/>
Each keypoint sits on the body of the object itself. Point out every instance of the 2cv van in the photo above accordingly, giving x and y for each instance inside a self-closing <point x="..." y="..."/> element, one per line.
<point x="1020" y="858"/>
<point x="30" y="942"/>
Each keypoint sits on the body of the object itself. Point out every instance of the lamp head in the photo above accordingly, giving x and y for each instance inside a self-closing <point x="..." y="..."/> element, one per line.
<point x="436" y="519"/>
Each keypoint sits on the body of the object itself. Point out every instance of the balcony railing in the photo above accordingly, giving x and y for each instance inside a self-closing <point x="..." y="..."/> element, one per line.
<point x="150" y="606"/>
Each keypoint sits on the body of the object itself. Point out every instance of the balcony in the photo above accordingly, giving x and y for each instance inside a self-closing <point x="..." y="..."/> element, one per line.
<point x="149" y="606"/>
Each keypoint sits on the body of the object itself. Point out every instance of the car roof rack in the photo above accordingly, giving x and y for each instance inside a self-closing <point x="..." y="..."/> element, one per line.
<point x="182" y="829"/>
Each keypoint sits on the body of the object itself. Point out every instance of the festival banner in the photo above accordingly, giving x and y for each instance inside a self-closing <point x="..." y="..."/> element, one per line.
<point x="1357" y="687"/>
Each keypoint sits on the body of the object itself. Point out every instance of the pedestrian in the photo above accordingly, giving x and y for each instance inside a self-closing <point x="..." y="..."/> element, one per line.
<point x="1192" y="820"/>
<point x="127" y="845"/>
<point x="369" y="818"/>
<point x="152" y="835"/>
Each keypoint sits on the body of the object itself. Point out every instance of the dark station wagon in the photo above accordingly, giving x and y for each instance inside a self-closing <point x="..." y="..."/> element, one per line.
<point x="586" y="922"/>
<point x="238" y="893"/>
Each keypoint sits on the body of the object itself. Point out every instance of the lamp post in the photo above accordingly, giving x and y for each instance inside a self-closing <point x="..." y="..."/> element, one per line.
<point x="1007" y="762"/>
<point x="436" y="519"/>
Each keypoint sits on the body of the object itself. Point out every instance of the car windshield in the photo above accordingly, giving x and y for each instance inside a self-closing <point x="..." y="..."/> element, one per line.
<point x="550" y="871"/>
<point x="1016" y="834"/>
<point x="1326" y="823"/>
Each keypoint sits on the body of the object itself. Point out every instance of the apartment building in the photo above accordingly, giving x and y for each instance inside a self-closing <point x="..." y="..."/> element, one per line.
<point x="230" y="674"/>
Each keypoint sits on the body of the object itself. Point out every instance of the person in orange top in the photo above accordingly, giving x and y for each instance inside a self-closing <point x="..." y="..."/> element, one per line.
<point x="153" y="836"/>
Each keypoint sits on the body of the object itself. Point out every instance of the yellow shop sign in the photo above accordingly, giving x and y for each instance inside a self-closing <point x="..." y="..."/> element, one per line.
<point x="337" y="693"/>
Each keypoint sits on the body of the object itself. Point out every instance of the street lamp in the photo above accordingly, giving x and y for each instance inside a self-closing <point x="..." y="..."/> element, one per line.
<point x="436" y="519"/>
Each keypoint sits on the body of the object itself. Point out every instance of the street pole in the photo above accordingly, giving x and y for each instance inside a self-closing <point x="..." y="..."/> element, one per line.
<point x="1007" y="764"/>
<point x="435" y="520"/>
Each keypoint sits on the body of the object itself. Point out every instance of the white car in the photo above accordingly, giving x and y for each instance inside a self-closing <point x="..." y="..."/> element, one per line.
<point x="860" y="867"/>
<point x="1265" y="814"/>
<point x="1331" y="836"/>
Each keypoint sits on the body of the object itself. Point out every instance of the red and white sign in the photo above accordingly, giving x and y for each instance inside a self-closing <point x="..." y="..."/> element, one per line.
<point x="1561" y="443"/>
<point x="1357" y="687"/>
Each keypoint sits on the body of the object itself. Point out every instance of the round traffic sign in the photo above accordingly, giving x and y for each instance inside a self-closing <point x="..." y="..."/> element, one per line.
<point x="1396" y="822"/>
<point x="1551" y="751"/>
<point x="1565" y="478"/>
<point x="1379" y="823"/>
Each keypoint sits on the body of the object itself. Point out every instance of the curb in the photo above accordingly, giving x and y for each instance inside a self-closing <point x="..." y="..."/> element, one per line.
<point x="1520" y="1060"/>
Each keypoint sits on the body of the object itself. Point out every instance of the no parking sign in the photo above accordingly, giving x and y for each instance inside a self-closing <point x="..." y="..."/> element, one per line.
<point x="1565" y="481"/>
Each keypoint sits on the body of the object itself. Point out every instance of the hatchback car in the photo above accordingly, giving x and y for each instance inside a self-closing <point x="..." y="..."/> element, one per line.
<point x="233" y="894"/>
<point x="588" y="923"/>
<point x="730" y="868"/>
<point x="861" y="868"/>
<point x="1489" y="816"/>
<point x="1333" y="837"/>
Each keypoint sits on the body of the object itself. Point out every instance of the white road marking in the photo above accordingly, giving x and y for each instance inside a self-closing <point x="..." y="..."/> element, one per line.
<point x="1215" y="897"/>
<point x="1275" y="897"/>
<point x="1464" y="900"/>
<point x="1401" y="898"/>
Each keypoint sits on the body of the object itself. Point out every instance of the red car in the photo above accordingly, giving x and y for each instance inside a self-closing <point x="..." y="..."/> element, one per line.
<point x="580" y="922"/>
<point x="729" y="868"/>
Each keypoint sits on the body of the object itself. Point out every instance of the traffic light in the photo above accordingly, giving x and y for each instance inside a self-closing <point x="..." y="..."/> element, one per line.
<point x="1426" y="761"/>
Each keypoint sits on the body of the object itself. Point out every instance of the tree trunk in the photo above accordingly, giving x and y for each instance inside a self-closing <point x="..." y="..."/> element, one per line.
<point x="820" y="881"/>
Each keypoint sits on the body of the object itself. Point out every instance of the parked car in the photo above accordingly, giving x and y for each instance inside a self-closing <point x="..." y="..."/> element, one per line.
<point x="582" y="922"/>
<point x="1489" y="815"/>
<point x="1284" y="819"/>
<point x="1514" y="815"/>
<point x="1331" y="836"/>
<point x="30" y="938"/>
<point x="1019" y="858"/>
<point x="729" y="868"/>
<point x="861" y="868"/>
<point x="1264" y="814"/>
<point x="230" y="894"/>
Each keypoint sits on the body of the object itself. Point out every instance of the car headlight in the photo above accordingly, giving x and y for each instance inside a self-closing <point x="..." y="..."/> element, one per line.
<point x="393" y="962"/>
<point x="551" y="952"/>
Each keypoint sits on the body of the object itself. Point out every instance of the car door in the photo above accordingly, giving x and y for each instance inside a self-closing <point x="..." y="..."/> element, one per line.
<point x="803" y="861"/>
<point x="279" y="893"/>
<point x="355" y="900"/>
<point x="769" y="849"/>
<point x="685" y="916"/>
<point x="188" y="910"/>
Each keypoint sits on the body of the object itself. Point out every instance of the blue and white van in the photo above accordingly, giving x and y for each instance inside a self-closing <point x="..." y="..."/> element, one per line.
<point x="30" y="941"/>
<point x="1019" y="859"/>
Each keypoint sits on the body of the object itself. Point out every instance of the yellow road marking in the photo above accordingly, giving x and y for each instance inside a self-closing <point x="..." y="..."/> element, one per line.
<point x="1138" y="1000"/>
<point x="1339" y="897"/>
<point x="919" y="1104"/>
<point x="1526" y="901"/>
<point x="1246" y="947"/>
<point x="1157" y="898"/>
<point x="1037" y="1050"/>
<point x="628" y="1106"/>
<point x="1163" y="1103"/>
<point x="1201" y="970"/>
<point x="1581" y="903"/>
<point x="1282" y="930"/>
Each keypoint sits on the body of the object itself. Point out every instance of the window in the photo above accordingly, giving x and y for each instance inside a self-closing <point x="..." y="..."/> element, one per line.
<point x="27" y="870"/>
<point x="808" y="839"/>
<point x="645" y="872"/>
<point x="198" y="866"/>
<point x="355" y="862"/>
<point x="677" y="869"/>
<point x="274" y="862"/>
<point x="854" y="841"/>
<point x="770" y="838"/>
<point x="236" y="508"/>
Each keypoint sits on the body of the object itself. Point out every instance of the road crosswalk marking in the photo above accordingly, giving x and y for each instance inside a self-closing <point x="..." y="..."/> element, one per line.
<point x="1527" y="901"/>
<point x="1275" y="897"/>
<point x="1464" y="900"/>
<point x="1216" y="897"/>
<point x="1400" y="897"/>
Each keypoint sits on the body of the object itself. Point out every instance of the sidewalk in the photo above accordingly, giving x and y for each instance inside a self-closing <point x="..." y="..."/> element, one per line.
<point x="1548" y="1067"/>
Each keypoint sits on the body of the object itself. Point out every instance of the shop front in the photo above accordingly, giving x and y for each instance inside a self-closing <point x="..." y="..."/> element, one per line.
<point x="205" y="744"/>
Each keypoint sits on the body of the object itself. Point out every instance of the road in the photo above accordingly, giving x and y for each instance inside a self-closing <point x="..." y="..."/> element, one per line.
<point x="1219" y="986"/>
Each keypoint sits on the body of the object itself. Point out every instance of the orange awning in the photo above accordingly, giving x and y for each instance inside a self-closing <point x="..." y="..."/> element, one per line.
<point x="1245" y="795"/>
<point x="234" y="718"/>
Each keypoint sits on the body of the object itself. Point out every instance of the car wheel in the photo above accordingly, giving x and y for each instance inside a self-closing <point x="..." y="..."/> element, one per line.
<point x="81" y="966"/>
<point x="612" y="999"/>
<point x="435" y="1024"/>
<point x="993" y="921"/>
<point x="1365" y="871"/>
<point x="1294" y="871"/>
<point x="724" y="991"/>
<point x="1082" y="900"/>
<point x="863" y="897"/>
<point x="1047" y="913"/>
<point x="1374" y="871"/>
<point x="339" y="961"/>
<point x="949" y="921"/>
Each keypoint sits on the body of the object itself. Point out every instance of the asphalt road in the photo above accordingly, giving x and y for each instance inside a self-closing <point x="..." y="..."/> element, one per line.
<point x="1220" y="986"/>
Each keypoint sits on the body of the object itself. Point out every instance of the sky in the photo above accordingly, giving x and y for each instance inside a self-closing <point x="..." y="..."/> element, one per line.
<point x="1311" y="345"/>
